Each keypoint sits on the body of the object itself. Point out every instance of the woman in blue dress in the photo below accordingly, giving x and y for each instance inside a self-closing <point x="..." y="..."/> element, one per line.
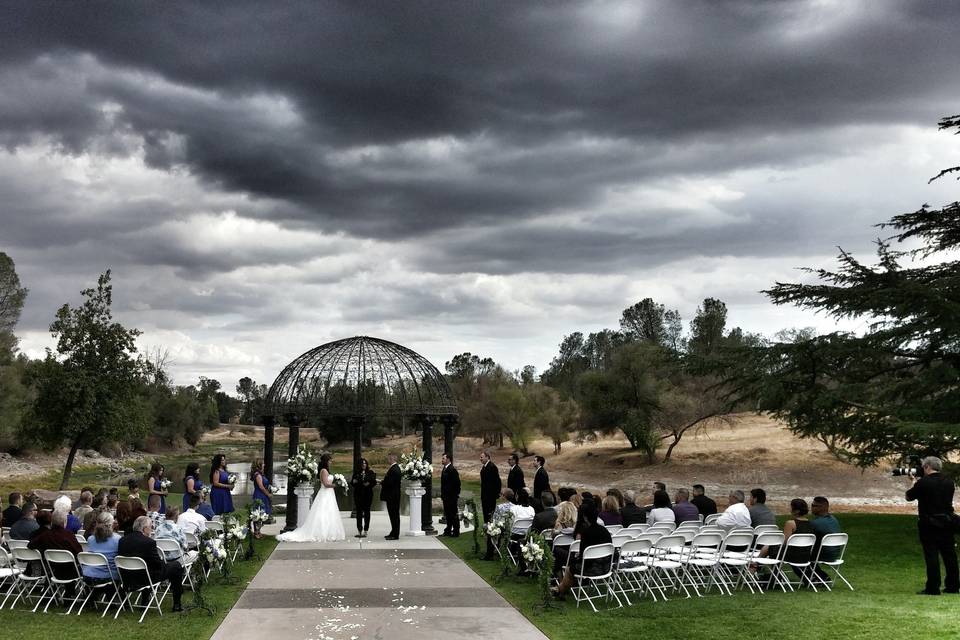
<point x="220" y="486"/>
<point x="155" y="485"/>
<point x="191" y="483"/>
<point x="261" y="491"/>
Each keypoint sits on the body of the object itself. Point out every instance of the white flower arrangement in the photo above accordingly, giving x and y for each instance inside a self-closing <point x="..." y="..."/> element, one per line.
<point x="232" y="478"/>
<point x="341" y="482"/>
<point x="234" y="529"/>
<point x="258" y="515"/>
<point x="204" y="493"/>
<point x="271" y="489"/>
<point x="213" y="550"/>
<point x="413" y="466"/>
<point x="164" y="484"/>
<point x="302" y="467"/>
<point x="500" y="523"/>
<point x="532" y="552"/>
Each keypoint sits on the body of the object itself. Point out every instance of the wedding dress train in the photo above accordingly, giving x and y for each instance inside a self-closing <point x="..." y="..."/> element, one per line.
<point x="323" y="523"/>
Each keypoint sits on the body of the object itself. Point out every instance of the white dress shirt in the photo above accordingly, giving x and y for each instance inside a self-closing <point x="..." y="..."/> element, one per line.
<point x="192" y="522"/>
<point x="736" y="515"/>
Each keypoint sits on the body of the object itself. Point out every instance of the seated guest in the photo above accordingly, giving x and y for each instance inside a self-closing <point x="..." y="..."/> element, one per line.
<point x="86" y="506"/>
<point x="566" y="518"/>
<point x="169" y="529"/>
<point x="592" y="533"/>
<point x="139" y="544"/>
<point x="611" y="511"/>
<point x="706" y="506"/>
<point x="522" y="508"/>
<point x="548" y="517"/>
<point x="661" y="511"/>
<point x="565" y="493"/>
<point x="56" y="537"/>
<point x="13" y="511"/>
<point x="63" y="504"/>
<point x="506" y="504"/>
<point x="576" y="500"/>
<point x="153" y="512"/>
<point x="104" y="540"/>
<point x="133" y="490"/>
<point x="26" y="525"/>
<point x="616" y="493"/>
<point x="823" y="522"/>
<point x="737" y="514"/>
<point x="124" y="517"/>
<point x="190" y="521"/>
<point x="760" y="513"/>
<point x="112" y="502"/>
<point x="631" y="513"/>
<point x="682" y="509"/>
<point x="205" y="510"/>
<point x="44" y="518"/>
<point x="90" y="520"/>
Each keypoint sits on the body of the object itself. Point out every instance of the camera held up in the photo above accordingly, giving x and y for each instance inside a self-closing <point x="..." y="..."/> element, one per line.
<point x="911" y="467"/>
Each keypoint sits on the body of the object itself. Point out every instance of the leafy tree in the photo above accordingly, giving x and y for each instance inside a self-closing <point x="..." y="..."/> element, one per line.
<point x="554" y="417"/>
<point x="90" y="392"/>
<point x="707" y="327"/>
<point x="673" y="328"/>
<point x="893" y="389"/>
<point x="565" y="369"/>
<point x="12" y="297"/>
<point x="645" y="321"/>
<point x="252" y="395"/>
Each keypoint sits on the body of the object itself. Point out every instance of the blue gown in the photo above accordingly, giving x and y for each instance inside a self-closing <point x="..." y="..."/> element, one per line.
<point x="197" y="485"/>
<point x="220" y="498"/>
<point x="260" y="495"/>
<point x="163" y="499"/>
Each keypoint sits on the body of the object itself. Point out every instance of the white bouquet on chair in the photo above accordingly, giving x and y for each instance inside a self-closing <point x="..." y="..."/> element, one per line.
<point x="258" y="515"/>
<point x="303" y="467"/>
<point x="213" y="551"/>
<point x="500" y="524"/>
<point x="340" y="482"/>
<point x="532" y="552"/>
<point x="413" y="466"/>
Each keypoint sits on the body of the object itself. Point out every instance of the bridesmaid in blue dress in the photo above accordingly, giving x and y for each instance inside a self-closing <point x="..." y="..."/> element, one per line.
<point x="261" y="491"/>
<point x="154" y="486"/>
<point x="191" y="483"/>
<point x="220" y="497"/>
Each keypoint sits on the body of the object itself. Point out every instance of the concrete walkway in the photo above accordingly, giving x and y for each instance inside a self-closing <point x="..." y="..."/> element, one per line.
<point x="371" y="588"/>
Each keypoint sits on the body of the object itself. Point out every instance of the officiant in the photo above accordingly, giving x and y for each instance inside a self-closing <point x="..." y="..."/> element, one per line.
<point x="363" y="481"/>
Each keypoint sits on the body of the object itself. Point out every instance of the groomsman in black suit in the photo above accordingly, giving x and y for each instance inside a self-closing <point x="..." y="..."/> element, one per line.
<point x="515" y="477"/>
<point x="490" y="486"/>
<point x="390" y="493"/>
<point x="450" y="495"/>
<point x="541" y="481"/>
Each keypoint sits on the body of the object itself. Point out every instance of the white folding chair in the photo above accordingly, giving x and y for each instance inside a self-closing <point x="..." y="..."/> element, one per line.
<point x="216" y="526"/>
<point x="619" y="539"/>
<point x="836" y="546"/>
<point x="701" y="560"/>
<point x="136" y="581"/>
<point x="638" y="526"/>
<point x="600" y="580"/>
<point x="101" y="586"/>
<point x="734" y="562"/>
<point x="632" y="567"/>
<point x="710" y="519"/>
<point x="8" y="575"/>
<point x="64" y="577"/>
<point x="80" y="538"/>
<point x="767" y="540"/>
<point x="613" y="528"/>
<point x="170" y="549"/>
<point x="518" y="531"/>
<point x="666" y="568"/>
<point x="17" y="544"/>
<point x="32" y="575"/>
<point x="797" y="551"/>
<point x="663" y="527"/>
<point x="765" y="528"/>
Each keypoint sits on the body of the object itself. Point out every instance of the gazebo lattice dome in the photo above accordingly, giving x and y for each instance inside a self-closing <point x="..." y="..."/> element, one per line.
<point x="360" y="377"/>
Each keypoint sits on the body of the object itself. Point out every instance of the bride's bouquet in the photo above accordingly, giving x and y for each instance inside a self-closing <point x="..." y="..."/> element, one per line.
<point x="340" y="482"/>
<point x="302" y="467"/>
<point x="413" y="466"/>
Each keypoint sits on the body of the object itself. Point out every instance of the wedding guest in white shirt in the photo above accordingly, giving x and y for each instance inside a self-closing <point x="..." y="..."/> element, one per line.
<point x="190" y="521"/>
<point x="737" y="514"/>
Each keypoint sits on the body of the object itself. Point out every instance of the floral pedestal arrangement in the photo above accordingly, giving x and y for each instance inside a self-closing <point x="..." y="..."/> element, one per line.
<point x="304" y="492"/>
<point x="415" y="493"/>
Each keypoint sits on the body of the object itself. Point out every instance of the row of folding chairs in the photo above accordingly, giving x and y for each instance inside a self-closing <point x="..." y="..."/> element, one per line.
<point x="660" y="565"/>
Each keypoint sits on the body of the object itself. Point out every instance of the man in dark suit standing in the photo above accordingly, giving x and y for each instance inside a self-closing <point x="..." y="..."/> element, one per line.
<point x="450" y="495"/>
<point x="934" y="495"/>
<point x="139" y="544"/>
<point x="515" y="477"/>
<point x="490" y="486"/>
<point x="541" y="481"/>
<point x="390" y="493"/>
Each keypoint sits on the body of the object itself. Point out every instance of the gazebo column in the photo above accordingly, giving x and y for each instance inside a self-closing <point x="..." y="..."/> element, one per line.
<point x="293" y="443"/>
<point x="449" y="433"/>
<point x="426" y="424"/>
<point x="356" y="424"/>
<point x="269" y="423"/>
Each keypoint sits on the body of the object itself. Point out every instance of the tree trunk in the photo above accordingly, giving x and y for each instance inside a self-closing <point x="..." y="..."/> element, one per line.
<point x="68" y="467"/>
<point x="676" y="441"/>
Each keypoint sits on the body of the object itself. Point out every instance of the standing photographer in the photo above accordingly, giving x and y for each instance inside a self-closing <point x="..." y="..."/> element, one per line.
<point x="934" y="496"/>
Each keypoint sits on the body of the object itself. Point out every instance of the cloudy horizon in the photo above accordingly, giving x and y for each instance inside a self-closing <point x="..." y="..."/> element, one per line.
<point x="483" y="177"/>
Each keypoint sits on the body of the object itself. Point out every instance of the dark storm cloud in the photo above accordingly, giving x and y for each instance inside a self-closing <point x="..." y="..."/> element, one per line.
<point x="550" y="104"/>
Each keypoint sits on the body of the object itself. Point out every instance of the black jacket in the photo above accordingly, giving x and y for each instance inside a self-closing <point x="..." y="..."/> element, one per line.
<point x="390" y="485"/>
<point x="140" y="546"/>
<point x="934" y="495"/>
<point x="544" y="520"/>
<point x="515" y="478"/>
<point x="363" y="483"/>
<point x="706" y="506"/>
<point x="10" y="515"/>
<point x="541" y="482"/>
<point x="632" y="514"/>
<point x="490" y="484"/>
<point x="450" y="483"/>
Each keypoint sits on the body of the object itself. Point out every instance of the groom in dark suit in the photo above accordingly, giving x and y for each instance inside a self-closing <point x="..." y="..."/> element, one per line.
<point x="390" y="493"/>
<point x="450" y="495"/>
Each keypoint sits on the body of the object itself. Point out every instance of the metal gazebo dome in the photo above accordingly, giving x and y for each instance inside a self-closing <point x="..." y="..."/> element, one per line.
<point x="361" y="377"/>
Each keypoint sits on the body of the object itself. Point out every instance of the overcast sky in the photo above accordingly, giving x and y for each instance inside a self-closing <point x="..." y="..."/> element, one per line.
<point x="478" y="176"/>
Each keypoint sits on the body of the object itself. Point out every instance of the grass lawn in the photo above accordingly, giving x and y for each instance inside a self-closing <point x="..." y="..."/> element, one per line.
<point x="884" y="564"/>
<point x="195" y="625"/>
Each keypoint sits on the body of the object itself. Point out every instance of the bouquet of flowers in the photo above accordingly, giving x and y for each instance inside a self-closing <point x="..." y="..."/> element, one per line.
<point x="258" y="515"/>
<point x="164" y="484"/>
<point x="204" y="493"/>
<point x="341" y="482"/>
<point x="413" y="466"/>
<point x="499" y="524"/>
<point x="532" y="552"/>
<point x="271" y="489"/>
<point x="466" y="516"/>
<point x="303" y="467"/>
<point x="234" y="529"/>
<point x="213" y="551"/>
<point x="232" y="478"/>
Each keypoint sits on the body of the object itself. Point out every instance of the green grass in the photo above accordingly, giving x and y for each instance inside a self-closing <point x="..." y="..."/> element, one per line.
<point x="884" y="564"/>
<point x="195" y="625"/>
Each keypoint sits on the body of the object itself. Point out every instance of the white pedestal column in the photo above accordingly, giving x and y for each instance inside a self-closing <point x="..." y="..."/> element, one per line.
<point x="304" y="493"/>
<point x="415" y="493"/>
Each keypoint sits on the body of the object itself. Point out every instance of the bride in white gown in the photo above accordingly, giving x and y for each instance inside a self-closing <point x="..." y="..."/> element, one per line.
<point x="323" y="523"/>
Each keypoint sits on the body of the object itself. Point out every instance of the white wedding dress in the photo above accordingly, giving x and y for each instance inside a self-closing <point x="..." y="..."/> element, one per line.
<point x="323" y="523"/>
